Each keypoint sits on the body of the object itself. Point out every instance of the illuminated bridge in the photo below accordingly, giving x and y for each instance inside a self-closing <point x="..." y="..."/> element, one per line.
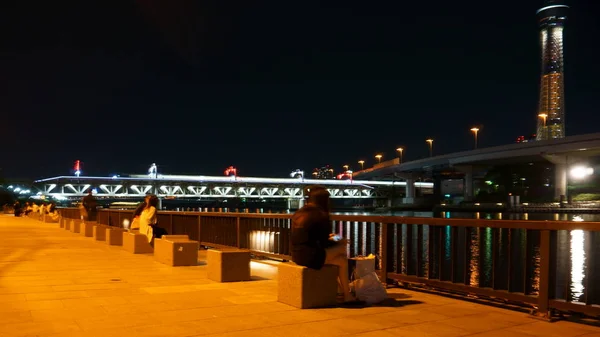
<point x="184" y="186"/>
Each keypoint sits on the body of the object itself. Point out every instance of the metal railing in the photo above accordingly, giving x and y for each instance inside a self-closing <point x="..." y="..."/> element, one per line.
<point x="548" y="265"/>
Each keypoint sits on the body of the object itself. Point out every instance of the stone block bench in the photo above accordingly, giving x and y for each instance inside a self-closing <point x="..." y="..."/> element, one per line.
<point x="176" y="250"/>
<point x="228" y="265"/>
<point x="114" y="236"/>
<point x="50" y="219"/>
<point x="305" y="288"/>
<point x="136" y="243"/>
<point x="75" y="226"/>
<point x="62" y="222"/>
<point x="87" y="228"/>
<point x="99" y="232"/>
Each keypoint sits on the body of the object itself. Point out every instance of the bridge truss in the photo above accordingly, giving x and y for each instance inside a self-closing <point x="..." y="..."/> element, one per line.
<point x="70" y="187"/>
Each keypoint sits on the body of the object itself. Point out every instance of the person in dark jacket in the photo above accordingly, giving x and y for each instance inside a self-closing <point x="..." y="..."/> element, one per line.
<point x="18" y="209"/>
<point x="90" y="204"/>
<point x="313" y="244"/>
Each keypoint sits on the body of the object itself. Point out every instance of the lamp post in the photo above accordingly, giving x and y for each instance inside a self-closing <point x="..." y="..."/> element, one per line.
<point x="430" y="142"/>
<point x="544" y="117"/>
<point x="378" y="158"/>
<point x="400" y="152"/>
<point x="475" y="132"/>
<point x="362" y="164"/>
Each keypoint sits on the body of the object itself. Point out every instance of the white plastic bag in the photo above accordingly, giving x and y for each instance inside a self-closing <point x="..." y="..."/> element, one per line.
<point x="369" y="289"/>
<point x="361" y="265"/>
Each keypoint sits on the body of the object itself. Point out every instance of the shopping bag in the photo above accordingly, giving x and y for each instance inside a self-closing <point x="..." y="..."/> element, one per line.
<point x="369" y="289"/>
<point x="360" y="266"/>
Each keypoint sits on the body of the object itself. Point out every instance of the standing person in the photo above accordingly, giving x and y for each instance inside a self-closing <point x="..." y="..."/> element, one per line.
<point x="90" y="205"/>
<point x="312" y="243"/>
<point x="17" y="208"/>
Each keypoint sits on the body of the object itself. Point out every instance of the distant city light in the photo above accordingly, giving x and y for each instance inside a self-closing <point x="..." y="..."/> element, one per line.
<point x="77" y="168"/>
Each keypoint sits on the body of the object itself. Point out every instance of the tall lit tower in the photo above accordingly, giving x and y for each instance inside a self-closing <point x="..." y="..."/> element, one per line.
<point x="551" y="110"/>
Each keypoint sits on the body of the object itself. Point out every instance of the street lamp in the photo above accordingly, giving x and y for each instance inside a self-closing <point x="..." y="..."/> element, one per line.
<point x="378" y="158"/>
<point x="362" y="164"/>
<point x="400" y="151"/>
<point x="475" y="131"/>
<point x="544" y="117"/>
<point x="430" y="142"/>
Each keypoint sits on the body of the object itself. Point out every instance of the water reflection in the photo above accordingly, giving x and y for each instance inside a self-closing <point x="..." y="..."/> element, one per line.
<point x="577" y="264"/>
<point x="474" y="266"/>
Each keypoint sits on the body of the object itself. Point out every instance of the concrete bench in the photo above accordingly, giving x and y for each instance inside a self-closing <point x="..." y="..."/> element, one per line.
<point x="87" y="228"/>
<point x="136" y="243"/>
<point x="50" y="219"/>
<point x="176" y="250"/>
<point x="99" y="232"/>
<point x="305" y="288"/>
<point x="75" y="226"/>
<point x="228" y="265"/>
<point x="114" y="236"/>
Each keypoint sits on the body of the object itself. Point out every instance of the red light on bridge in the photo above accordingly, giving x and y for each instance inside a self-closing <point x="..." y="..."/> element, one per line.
<point x="230" y="171"/>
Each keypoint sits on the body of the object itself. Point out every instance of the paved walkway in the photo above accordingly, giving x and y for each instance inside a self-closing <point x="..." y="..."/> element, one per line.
<point x="56" y="283"/>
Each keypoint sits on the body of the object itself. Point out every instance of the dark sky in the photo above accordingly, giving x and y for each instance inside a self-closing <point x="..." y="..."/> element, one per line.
<point x="271" y="86"/>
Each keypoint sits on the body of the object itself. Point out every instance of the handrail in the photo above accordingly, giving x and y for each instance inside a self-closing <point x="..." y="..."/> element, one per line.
<point x="520" y="224"/>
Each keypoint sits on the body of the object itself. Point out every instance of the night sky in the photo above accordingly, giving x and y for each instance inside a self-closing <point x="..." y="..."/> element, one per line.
<point x="271" y="86"/>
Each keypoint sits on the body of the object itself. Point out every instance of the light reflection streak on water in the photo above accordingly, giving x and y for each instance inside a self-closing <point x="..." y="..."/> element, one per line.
<point x="447" y="246"/>
<point x="577" y="264"/>
<point x="487" y="273"/>
<point x="474" y="280"/>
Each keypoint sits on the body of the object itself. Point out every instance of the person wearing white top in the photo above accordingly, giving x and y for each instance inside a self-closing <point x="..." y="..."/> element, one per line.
<point x="148" y="218"/>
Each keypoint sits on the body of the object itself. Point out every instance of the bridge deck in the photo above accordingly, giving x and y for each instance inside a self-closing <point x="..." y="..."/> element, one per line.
<point x="56" y="283"/>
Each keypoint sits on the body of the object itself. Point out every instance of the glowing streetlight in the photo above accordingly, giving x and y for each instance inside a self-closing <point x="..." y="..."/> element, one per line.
<point x="400" y="152"/>
<point x="378" y="158"/>
<point x="544" y="117"/>
<point x="581" y="172"/>
<point x="475" y="132"/>
<point x="430" y="142"/>
<point x="362" y="164"/>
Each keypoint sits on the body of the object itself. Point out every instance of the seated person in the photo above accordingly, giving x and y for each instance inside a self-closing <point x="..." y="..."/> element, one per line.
<point x="135" y="222"/>
<point x="312" y="244"/>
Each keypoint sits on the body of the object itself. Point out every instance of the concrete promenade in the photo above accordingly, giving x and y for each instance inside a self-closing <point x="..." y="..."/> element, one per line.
<point x="56" y="283"/>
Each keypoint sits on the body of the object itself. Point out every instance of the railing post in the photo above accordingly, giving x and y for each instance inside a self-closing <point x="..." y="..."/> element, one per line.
<point x="237" y="225"/>
<point x="544" y="292"/>
<point x="384" y="246"/>
<point x="171" y="225"/>
<point x="199" y="228"/>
